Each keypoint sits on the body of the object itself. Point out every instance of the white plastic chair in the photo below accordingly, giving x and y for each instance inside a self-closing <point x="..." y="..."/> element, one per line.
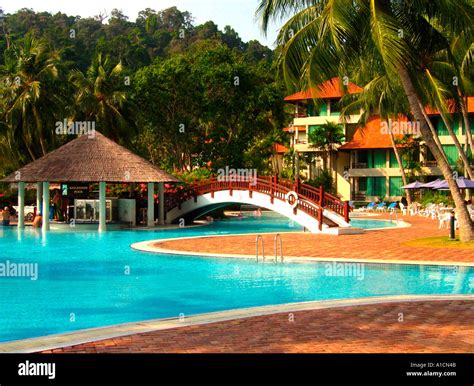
<point x="403" y="208"/>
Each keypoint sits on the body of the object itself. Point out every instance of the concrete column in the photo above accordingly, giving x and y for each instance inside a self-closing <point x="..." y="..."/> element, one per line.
<point x="21" y="204"/>
<point x="161" y="205"/>
<point x="102" y="208"/>
<point x="150" y="214"/>
<point x="45" y="206"/>
<point x="39" y="197"/>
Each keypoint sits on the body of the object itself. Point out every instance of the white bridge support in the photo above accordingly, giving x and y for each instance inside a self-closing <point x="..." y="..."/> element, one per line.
<point x="262" y="200"/>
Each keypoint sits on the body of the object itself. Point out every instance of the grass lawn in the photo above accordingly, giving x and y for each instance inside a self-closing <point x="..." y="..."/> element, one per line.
<point x="439" y="242"/>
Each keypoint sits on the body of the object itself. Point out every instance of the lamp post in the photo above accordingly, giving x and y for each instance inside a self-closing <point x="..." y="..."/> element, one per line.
<point x="452" y="227"/>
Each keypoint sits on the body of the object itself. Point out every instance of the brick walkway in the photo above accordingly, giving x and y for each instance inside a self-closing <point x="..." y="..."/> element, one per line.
<point x="444" y="326"/>
<point x="382" y="245"/>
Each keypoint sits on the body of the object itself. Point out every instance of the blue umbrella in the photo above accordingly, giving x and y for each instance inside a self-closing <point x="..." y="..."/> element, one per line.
<point x="463" y="183"/>
<point x="413" y="185"/>
<point x="432" y="184"/>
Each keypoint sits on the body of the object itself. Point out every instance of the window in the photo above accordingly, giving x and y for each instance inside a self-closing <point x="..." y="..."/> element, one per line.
<point x="362" y="184"/>
<point x="471" y="124"/>
<point x="395" y="186"/>
<point x="394" y="162"/>
<point x="440" y="127"/>
<point x="311" y="110"/>
<point x="451" y="153"/>
<point x="429" y="155"/>
<point x="380" y="159"/>
<point x="335" y="107"/>
<point x="376" y="186"/>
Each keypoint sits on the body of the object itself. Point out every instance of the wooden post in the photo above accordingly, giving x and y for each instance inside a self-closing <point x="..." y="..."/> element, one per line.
<point x="161" y="203"/>
<point x="321" y="196"/>
<point x="150" y="217"/>
<point x="346" y="211"/>
<point x="272" y="190"/>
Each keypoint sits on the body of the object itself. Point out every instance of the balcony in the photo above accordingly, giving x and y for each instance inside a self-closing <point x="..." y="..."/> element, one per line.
<point x="359" y="165"/>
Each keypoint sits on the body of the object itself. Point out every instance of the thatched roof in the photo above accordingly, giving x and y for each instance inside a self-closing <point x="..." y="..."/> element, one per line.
<point x="87" y="159"/>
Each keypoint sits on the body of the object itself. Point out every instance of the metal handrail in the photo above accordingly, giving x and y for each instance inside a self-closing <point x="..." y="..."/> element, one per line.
<point x="256" y="248"/>
<point x="278" y="237"/>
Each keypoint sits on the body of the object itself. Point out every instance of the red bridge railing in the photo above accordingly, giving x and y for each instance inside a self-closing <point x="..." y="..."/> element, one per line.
<point x="311" y="200"/>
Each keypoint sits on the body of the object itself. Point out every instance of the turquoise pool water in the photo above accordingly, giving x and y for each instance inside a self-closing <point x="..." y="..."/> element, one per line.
<point x="367" y="223"/>
<point x="87" y="279"/>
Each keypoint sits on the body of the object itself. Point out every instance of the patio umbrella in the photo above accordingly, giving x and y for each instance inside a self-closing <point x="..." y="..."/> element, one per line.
<point x="463" y="183"/>
<point x="432" y="184"/>
<point x="413" y="185"/>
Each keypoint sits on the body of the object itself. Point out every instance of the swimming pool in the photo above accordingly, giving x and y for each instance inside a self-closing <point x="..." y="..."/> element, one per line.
<point x="86" y="279"/>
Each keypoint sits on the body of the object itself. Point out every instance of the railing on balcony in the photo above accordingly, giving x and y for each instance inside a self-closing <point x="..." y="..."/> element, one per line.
<point x="429" y="164"/>
<point x="359" y="165"/>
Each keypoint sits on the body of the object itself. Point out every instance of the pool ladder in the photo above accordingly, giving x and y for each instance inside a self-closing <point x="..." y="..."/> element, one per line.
<point x="277" y="242"/>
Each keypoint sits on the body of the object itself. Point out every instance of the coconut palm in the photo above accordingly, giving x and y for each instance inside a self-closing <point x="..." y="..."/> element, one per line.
<point x="100" y="98"/>
<point x="324" y="38"/>
<point x="32" y="99"/>
<point x="324" y="137"/>
<point x="381" y="96"/>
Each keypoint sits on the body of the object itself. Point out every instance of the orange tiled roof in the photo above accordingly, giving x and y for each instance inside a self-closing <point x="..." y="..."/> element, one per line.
<point x="470" y="104"/>
<point x="451" y="107"/>
<point x="280" y="149"/>
<point x="329" y="89"/>
<point x="371" y="136"/>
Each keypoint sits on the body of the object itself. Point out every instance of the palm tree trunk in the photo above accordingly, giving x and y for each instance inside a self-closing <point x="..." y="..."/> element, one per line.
<point x="433" y="132"/>
<point x="466" y="226"/>
<point x="400" y="165"/>
<point x="467" y="124"/>
<point x="461" y="152"/>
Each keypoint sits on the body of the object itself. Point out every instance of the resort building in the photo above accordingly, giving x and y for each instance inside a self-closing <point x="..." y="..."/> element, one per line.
<point x="364" y="167"/>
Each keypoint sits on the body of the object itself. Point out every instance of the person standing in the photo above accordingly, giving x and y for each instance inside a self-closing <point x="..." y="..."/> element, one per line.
<point x="5" y="216"/>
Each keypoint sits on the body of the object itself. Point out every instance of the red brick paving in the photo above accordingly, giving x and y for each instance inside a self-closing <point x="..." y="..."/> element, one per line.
<point x="444" y="326"/>
<point x="382" y="244"/>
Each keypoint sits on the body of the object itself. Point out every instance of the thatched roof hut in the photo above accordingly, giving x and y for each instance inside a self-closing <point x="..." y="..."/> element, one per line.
<point x="91" y="159"/>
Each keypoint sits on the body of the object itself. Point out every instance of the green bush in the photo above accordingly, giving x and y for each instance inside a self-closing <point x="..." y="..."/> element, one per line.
<point x="436" y="198"/>
<point x="325" y="179"/>
<point x="196" y="174"/>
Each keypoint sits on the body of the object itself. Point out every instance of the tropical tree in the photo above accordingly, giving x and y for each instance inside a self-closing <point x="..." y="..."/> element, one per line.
<point x="100" y="97"/>
<point x="324" y="137"/>
<point x="32" y="99"/>
<point x="322" y="39"/>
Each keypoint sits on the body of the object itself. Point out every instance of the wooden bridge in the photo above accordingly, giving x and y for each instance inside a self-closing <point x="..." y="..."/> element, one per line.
<point x="311" y="207"/>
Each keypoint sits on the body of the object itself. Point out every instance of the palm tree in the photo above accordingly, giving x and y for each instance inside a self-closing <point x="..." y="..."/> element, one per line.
<point x="324" y="137"/>
<point x="32" y="99"/>
<point x="100" y="97"/>
<point x="325" y="38"/>
<point x="382" y="96"/>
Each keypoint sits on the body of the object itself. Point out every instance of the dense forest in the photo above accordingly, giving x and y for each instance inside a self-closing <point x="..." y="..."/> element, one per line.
<point x="183" y="96"/>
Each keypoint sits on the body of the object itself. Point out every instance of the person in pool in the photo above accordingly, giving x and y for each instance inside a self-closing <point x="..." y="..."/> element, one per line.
<point x="6" y="216"/>
<point x="38" y="221"/>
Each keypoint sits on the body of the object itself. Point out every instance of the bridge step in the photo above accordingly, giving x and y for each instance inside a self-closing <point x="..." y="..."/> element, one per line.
<point x="329" y="223"/>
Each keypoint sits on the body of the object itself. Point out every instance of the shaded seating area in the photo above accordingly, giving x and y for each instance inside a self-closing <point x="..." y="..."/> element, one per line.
<point x="88" y="160"/>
